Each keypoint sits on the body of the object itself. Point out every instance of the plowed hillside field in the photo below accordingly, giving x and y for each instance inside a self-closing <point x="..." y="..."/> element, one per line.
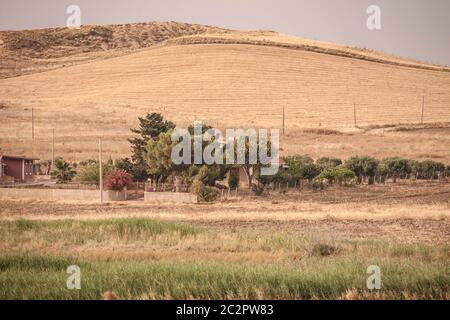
<point x="225" y="84"/>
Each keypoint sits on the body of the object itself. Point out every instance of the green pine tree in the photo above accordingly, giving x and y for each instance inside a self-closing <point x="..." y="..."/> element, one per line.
<point x="150" y="127"/>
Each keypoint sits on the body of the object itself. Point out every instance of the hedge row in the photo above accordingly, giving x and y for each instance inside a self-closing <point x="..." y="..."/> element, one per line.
<point x="356" y="169"/>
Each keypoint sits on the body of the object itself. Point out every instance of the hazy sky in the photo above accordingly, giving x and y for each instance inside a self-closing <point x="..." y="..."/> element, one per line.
<point x="416" y="29"/>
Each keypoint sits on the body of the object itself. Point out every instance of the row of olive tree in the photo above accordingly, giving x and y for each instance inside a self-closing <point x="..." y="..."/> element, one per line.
<point x="357" y="169"/>
<point x="373" y="170"/>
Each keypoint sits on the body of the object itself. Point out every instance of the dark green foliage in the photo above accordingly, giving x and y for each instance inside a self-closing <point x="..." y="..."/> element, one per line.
<point x="204" y="193"/>
<point x="309" y="172"/>
<point x="90" y="173"/>
<point x="126" y="165"/>
<point x="301" y="167"/>
<point x="396" y="167"/>
<point x="63" y="171"/>
<point x="258" y="189"/>
<point x="416" y="167"/>
<point x="207" y="174"/>
<point x="318" y="185"/>
<point x="429" y="169"/>
<point x="363" y="167"/>
<point x="267" y="179"/>
<point x="150" y="127"/>
<point x="233" y="179"/>
<point x="160" y="166"/>
<point x="342" y="176"/>
<point x="158" y="157"/>
<point x="328" y="163"/>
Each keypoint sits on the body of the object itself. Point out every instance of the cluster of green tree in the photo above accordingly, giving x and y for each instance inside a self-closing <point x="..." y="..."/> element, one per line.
<point x="161" y="168"/>
<point x="151" y="150"/>
<point x="88" y="172"/>
<point x="373" y="170"/>
<point x="302" y="168"/>
<point x="151" y="158"/>
<point x="355" y="170"/>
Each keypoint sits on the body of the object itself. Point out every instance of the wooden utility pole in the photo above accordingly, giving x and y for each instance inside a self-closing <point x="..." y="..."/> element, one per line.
<point x="423" y="108"/>
<point x="283" y="120"/>
<point x="53" y="149"/>
<point x="32" y="123"/>
<point x="354" y="114"/>
<point x="100" y="166"/>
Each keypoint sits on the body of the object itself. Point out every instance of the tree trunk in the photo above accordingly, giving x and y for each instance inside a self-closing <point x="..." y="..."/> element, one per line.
<point x="249" y="176"/>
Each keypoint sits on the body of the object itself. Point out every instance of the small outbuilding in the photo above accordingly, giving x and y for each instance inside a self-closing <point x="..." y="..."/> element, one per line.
<point x="17" y="167"/>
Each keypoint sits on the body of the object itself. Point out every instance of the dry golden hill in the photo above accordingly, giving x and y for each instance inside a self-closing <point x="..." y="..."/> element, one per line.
<point x="31" y="51"/>
<point x="231" y="79"/>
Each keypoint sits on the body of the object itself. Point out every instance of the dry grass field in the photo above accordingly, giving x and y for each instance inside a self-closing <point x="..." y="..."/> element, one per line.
<point x="309" y="244"/>
<point x="228" y="79"/>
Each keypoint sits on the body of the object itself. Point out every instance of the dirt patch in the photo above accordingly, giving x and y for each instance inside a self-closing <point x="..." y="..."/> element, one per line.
<point x="409" y="212"/>
<point x="408" y="192"/>
<point x="405" y="230"/>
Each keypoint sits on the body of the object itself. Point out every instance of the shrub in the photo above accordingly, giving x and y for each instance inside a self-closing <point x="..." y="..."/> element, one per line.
<point x="63" y="171"/>
<point x="258" y="189"/>
<point x="396" y="167"/>
<point x="328" y="163"/>
<point x="283" y="176"/>
<point x="415" y="167"/>
<point x="209" y="174"/>
<point x="309" y="171"/>
<point x="363" y="167"/>
<point x="428" y="169"/>
<point x="128" y="166"/>
<point x="317" y="185"/>
<point x="369" y="166"/>
<point x="381" y="172"/>
<point x="266" y="179"/>
<point x="117" y="180"/>
<point x="324" y="244"/>
<point x="300" y="167"/>
<point x="324" y="250"/>
<point x="343" y="176"/>
<point x="89" y="174"/>
<point x="233" y="179"/>
<point x="355" y="165"/>
<point x="204" y="193"/>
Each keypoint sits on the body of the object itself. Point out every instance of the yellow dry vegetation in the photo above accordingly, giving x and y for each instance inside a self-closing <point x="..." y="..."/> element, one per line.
<point x="230" y="80"/>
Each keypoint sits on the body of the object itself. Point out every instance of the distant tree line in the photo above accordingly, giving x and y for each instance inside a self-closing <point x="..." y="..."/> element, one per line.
<point x="151" y="159"/>
<point x="354" y="170"/>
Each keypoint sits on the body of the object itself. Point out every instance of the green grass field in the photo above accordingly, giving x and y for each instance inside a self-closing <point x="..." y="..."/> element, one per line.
<point x="114" y="255"/>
